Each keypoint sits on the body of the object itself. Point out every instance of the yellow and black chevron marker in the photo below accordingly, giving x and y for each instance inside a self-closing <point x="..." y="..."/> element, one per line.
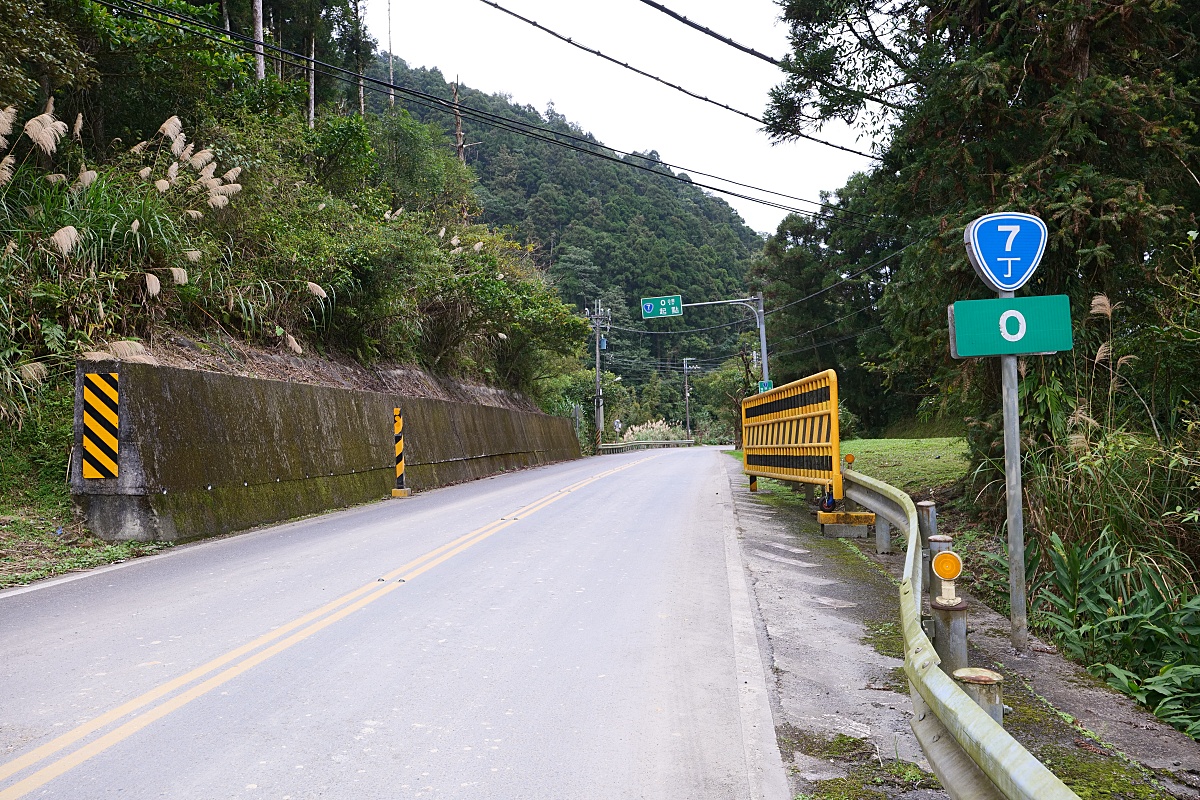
<point x="100" y="425"/>
<point x="398" y="430"/>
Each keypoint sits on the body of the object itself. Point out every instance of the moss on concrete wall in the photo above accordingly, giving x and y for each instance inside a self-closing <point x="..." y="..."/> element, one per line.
<point x="203" y="453"/>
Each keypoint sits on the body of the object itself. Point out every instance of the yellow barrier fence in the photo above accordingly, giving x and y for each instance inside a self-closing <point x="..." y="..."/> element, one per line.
<point x="791" y="432"/>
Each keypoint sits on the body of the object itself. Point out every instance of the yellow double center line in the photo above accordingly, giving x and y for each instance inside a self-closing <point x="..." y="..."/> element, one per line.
<point x="300" y="629"/>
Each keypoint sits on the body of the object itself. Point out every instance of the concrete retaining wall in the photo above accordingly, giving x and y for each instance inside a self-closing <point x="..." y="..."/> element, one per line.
<point x="203" y="453"/>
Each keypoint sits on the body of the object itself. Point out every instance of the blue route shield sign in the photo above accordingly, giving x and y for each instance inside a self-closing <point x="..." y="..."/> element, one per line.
<point x="1005" y="248"/>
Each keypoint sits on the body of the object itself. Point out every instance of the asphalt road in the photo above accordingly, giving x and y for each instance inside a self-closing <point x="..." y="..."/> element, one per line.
<point x="576" y="631"/>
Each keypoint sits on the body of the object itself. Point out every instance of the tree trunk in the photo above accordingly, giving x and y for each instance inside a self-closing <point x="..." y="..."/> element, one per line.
<point x="260" y="67"/>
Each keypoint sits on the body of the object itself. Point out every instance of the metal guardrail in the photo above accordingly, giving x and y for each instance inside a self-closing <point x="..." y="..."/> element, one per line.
<point x="975" y="758"/>
<point x="625" y="447"/>
<point x="790" y="433"/>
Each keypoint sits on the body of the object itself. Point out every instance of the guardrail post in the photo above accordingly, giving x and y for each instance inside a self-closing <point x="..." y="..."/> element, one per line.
<point x="950" y="632"/>
<point x="937" y="543"/>
<point x="927" y="522"/>
<point x="984" y="687"/>
<point x="754" y="483"/>
<point x="883" y="535"/>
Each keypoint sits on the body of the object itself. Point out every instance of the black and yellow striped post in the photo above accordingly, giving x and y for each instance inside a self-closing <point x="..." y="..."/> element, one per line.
<point x="101" y="442"/>
<point x="398" y="429"/>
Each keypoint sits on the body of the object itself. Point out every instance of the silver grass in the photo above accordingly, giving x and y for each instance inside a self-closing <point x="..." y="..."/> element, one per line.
<point x="186" y="155"/>
<point x="321" y="207"/>
<point x="478" y="246"/>
<point x="11" y="247"/>
<point x="207" y="171"/>
<point x="201" y="158"/>
<point x="162" y="185"/>
<point x="171" y="127"/>
<point x="456" y="250"/>
<point x="454" y="241"/>
<point x="387" y="215"/>
<point x="77" y="128"/>
<point x="139" y="147"/>
<point x="144" y="173"/>
<point x="178" y="145"/>
<point x="153" y="287"/>
<point x="316" y="289"/>
<point x="179" y="275"/>
<point x="96" y="355"/>
<point x="442" y="233"/>
<point x="133" y="226"/>
<point x="86" y="178"/>
<point x="172" y="171"/>
<point x="1103" y="352"/>
<point x="34" y="372"/>
<point x="232" y="175"/>
<point x="1102" y="306"/>
<point x="6" y="169"/>
<point x="218" y="200"/>
<point x="293" y="345"/>
<point x="7" y="117"/>
<point x="65" y="239"/>
<point x="55" y="178"/>
<point x="206" y="184"/>
<point x="192" y="255"/>
<point x="45" y="132"/>
<point x="192" y="213"/>
<point x="229" y="189"/>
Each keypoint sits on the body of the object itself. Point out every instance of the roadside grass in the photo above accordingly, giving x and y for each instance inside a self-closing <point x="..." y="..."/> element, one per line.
<point x="39" y="537"/>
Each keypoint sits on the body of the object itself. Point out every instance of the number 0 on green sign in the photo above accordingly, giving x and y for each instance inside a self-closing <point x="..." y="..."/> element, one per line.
<point x="1010" y="326"/>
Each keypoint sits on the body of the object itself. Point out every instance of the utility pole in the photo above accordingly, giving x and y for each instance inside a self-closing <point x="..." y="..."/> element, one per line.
<point x="762" y="335"/>
<point x="391" y="59"/>
<point x="312" y="76"/>
<point x="600" y="317"/>
<point x="459" y="147"/>
<point x="687" y="398"/>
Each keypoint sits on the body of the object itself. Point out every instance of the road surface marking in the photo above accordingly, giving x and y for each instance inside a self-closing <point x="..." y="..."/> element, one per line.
<point x="372" y="591"/>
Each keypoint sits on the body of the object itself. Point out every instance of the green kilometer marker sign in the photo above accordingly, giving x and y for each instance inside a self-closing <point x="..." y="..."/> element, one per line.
<point x="1010" y="326"/>
<point x="669" y="306"/>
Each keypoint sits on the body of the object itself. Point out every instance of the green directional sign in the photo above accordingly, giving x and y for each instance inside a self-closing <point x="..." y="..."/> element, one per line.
<point x="655" y="307"/>
<point x="1010" y="326"/>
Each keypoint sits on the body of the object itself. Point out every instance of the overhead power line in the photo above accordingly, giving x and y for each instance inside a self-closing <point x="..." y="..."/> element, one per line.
<point x="689" y="330"/>
<point x="246" y="44"/>
<point x="676" y="87"/>
<point x="776" y="342"/>
<point x="828" y="342"/>
<point x="781" y="63"/>
<point x="846" y="279"/>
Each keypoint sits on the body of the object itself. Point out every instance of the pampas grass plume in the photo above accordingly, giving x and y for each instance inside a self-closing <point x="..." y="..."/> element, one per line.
<point x="77" y="128"/>
<point x="232" y="175"/>
<point x="1102" y="306"/>
<point x="55" y="178"/>
<point x="442" y="233"/>
<point x="65" y="239"/>
<point x="139" y="147"/>
<point x="293" y="345"/>
<point x="45" y="131"/>
<point x="218" y="200"/>
<point x="186" y="155"/>
<point x="179" y="275"/>
<point x="207" y="171"/>
<point x="6" y="169"/>
<point x="7" y="117"/>
<point x="456" y="251"/>
<point x="171" y="127"/>
<point x="172" y="171"/>
<point x="11" y="247"/>
<point x="144" y="173"/>
<point x="192" y="213"/>
<point x="34" y="372"/>
<point x="316" y="289"/>
<point x="178" y="145"/>
<point x="153" y="286"/>
<point x="201" y="158"/>
<point x="321" y="207"/>
<point x="454" y="241"/>
<point x="86" y="178"/>
<point x="478" y="246"/>
<point x="133" y="226"/>
<point x="192" y="255"/>
<point x="162" y="185"/>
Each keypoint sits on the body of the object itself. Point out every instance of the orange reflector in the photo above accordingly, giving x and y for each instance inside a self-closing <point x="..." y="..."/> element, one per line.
<point x="849" y="458"/>
<point x="947" y="565"/>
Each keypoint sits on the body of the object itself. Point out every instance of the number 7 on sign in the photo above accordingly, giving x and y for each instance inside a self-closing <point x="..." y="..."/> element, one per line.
<point x="1012" y="231"/>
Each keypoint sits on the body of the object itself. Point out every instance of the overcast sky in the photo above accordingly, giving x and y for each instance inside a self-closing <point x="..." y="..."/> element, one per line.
<point x="493" y="52"/>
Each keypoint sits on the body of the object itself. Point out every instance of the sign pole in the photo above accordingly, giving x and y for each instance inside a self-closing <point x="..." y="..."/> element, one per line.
<point x="1016" y="514"/>
<point x="762" y="336"/>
